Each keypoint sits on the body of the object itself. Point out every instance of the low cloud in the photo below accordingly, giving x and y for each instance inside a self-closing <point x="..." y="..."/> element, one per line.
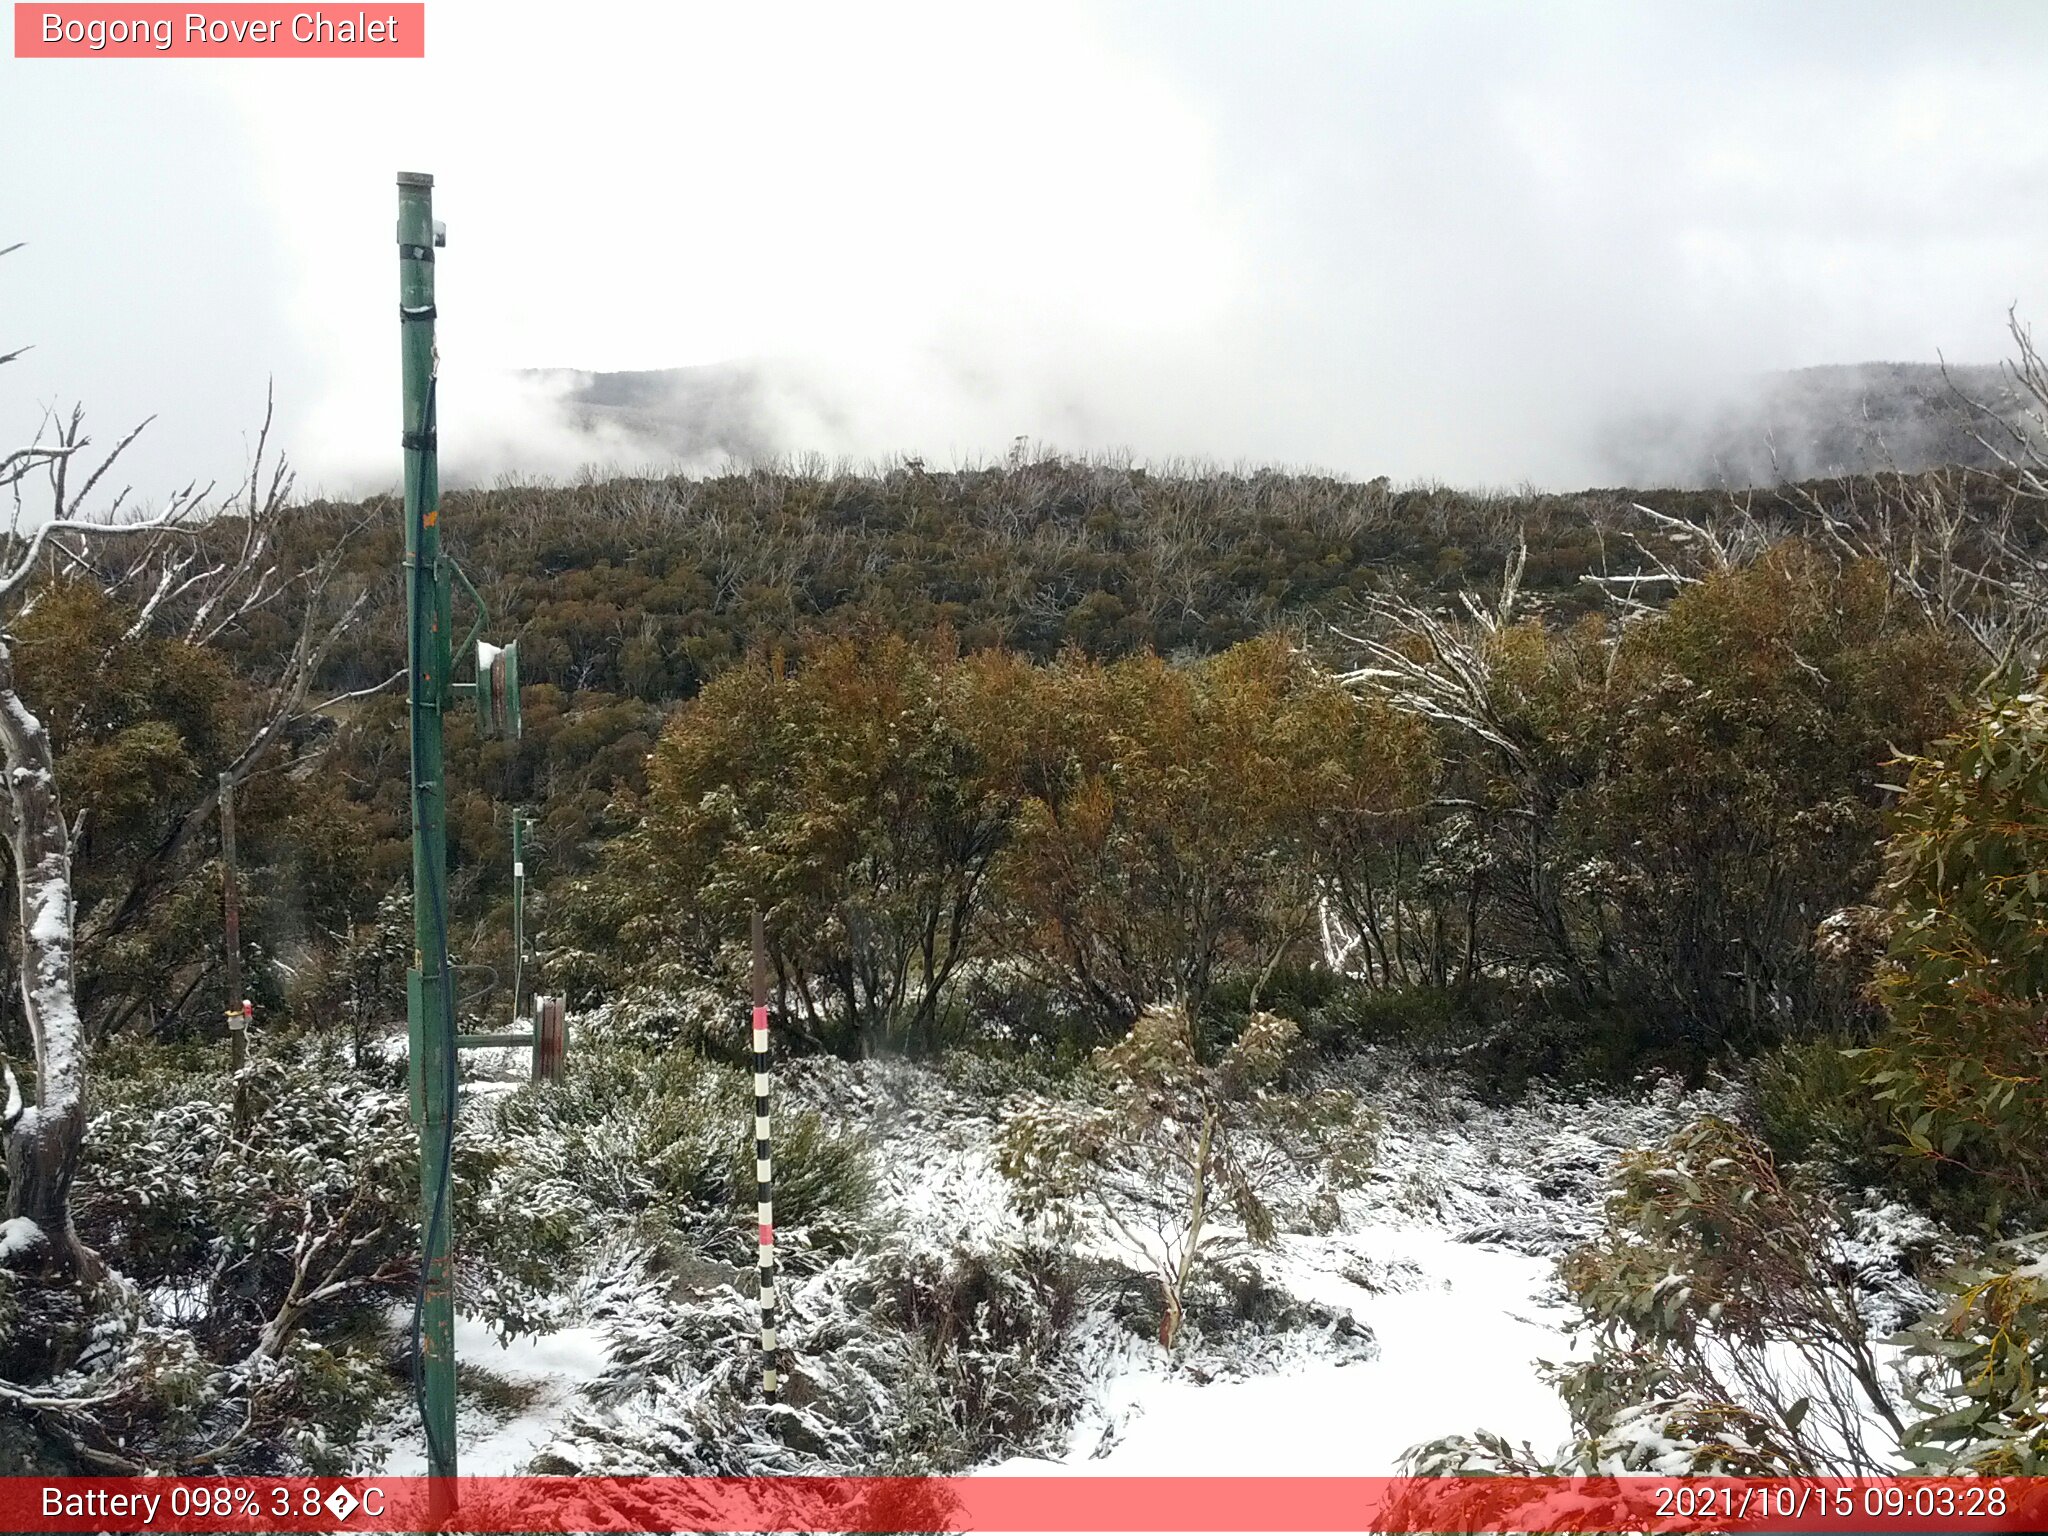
<point x="1459" y="242"/>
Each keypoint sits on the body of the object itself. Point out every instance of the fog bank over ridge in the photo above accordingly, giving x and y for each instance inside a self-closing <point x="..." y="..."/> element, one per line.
<point x="1442" y="240"/>
<point x="1788" y="425"/>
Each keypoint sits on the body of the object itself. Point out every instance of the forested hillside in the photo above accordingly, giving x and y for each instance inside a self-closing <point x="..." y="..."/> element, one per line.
<point x="627" y="597"/>
<point x="1182" y="821"/>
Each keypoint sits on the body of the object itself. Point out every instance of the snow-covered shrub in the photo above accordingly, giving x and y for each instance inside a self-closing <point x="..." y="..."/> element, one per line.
<point x="1674" y="1436"/>
<point x="324" y="1167"/>
<point x="662" y="1141"/>
<point x="1155" y="1141"/>
<point x="996" y="1074"/>
<point x="899" y="1359"/>
<point x="1689" y="1438"/>
<point x="652" y="1014"/>
<point x="325" y="1395"/>
<point x="993" y="1324"/>
<point x="250" y="1259"/>
<point x="1481" y="1454"/>
<point x="1670" y="1437"/>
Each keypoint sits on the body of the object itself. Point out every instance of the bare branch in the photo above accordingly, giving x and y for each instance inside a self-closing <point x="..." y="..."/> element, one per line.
<point x="359" y="693"/>
<point x="12" y="581"/>
<point x="69" y="509"/>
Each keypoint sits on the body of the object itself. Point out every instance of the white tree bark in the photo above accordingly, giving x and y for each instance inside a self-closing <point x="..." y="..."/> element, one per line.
<point x="44" y="1136"/>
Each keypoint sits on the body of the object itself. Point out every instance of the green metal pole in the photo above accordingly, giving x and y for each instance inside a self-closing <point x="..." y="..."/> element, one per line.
<point x="430" y="1005"/>
<point x="518" y="903"/>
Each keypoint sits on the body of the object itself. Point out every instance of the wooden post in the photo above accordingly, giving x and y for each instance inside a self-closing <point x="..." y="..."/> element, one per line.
<point x="550" y="1039"/>
<point x="764" y="1171"/>
<point x="231" y="905"/>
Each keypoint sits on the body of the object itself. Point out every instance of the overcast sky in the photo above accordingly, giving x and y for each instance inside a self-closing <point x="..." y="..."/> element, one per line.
<point x="1436" y="240"/>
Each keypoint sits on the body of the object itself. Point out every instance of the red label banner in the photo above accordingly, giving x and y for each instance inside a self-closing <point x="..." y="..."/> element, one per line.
<point x="102" y="31"/>
<point x="1050" y="1504"/>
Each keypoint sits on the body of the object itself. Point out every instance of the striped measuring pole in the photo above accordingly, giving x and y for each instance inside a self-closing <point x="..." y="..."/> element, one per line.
<point x="764" y="1175"/>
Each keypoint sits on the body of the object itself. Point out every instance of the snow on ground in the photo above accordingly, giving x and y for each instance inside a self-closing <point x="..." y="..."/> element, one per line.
<point x="533" y="1381"/>
<point x="1446" y="1258"/>
<point x="934" y="1145"/>
<point x="1458" y="1342"/>
<point x="18" y="1235"/>
<point x="526" y="1384"/>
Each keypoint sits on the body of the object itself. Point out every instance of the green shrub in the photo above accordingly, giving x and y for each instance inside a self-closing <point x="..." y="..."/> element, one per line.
<point x="1990" y="1338"/>
<point x="1294" y="991"/>
<point x="1714" y="1282"/>
<point x="1962" y="1067"/>
<point x="996" y="1326"/>
<point x="1418" y="1017"/>
<point x="1811" y="1105"/>
<point x="1499" y="1036"/>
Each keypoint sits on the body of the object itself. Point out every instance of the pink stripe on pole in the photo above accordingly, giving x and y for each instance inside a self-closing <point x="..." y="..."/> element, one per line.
<point x="767" y="1237"/>
<point x="761" y="1017"/>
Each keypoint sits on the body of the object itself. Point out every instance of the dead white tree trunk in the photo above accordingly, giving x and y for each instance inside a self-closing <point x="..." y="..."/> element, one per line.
<point x="42" y="1138"/>
<point x="44" y="1128"/>
<point x="43" y="1135"/>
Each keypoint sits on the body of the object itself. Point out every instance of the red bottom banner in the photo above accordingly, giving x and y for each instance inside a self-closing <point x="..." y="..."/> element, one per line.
<point x="1052" y="1503"/>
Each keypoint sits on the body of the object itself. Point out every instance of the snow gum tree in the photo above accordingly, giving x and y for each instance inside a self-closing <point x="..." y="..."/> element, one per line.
<point x="1962" y="1068"/>
<point x="43" y="1132"/>
<point x="859" y="798"/>
<point x="1169" y="1147"/>
<point x="1178" y="816"/>
<point x="42" y="1137"/>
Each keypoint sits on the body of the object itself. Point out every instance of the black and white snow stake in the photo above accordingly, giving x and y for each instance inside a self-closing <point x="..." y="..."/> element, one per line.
<point x="764" y="1176"/>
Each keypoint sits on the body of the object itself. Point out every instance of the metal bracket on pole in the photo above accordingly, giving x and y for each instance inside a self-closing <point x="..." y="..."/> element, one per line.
<point x="497" y="669"/>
